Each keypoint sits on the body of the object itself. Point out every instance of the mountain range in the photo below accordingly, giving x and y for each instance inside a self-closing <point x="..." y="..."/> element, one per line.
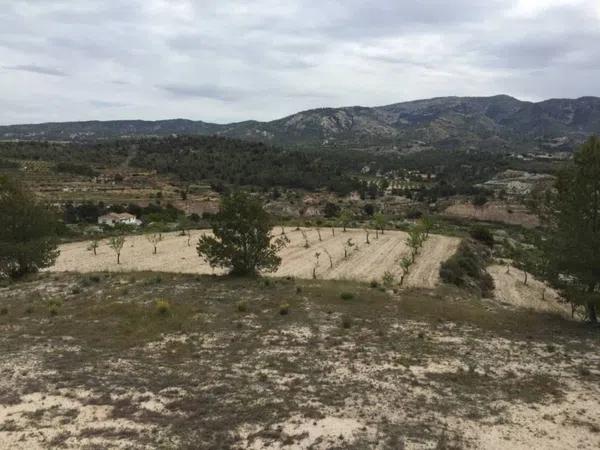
<point x="498" y="123"/>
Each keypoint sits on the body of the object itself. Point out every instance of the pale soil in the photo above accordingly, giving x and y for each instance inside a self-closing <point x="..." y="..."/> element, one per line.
<point x="494" y="212"/>
<point x="421" y="370"/>
<point x="511" y="289"/>
<point x="365" y="262"/>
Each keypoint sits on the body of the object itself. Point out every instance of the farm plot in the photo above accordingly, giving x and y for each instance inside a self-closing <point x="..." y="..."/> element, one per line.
<point x="345" y="256"/>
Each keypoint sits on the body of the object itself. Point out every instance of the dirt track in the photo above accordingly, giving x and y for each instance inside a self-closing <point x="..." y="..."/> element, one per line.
<point x="365" y="262"/>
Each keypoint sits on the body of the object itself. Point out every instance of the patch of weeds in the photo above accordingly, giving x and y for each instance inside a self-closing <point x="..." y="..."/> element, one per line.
<point x="550" y="348"/>
<point x="154" y="280"/>
<point x="29" y="310"/>
<point x="284" y="309"/>
<point x="54" y="306"/>
<point x="346" y="295"/>
<point x="3" y="311"/>
<point x="298" y="289"/>
<point x="242" y="306"/>
<point x="584" y="371"/>
<point x="60" y="439"/>
<point x="163" y="307"/>
<point x="374" y="284"/>
<point x="346" y="322"/>
<point x="388" y="279"/>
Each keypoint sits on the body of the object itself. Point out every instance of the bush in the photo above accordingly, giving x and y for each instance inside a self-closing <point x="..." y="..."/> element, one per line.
<point x="466" y="268"/>
<point x="388" y="279"/>
<point x="163" y="307"/>
<point x="242" y="306"/>
<point x="482" y="235"/>
<point x="374" y="284"/>
<point x="480" y="200"/>
<point x="28" y="231"/>
<point x="3" y="311"/>
<point x="346" y="296"/>
<point x="284" y="309"/>
<point x="346" y="322"/>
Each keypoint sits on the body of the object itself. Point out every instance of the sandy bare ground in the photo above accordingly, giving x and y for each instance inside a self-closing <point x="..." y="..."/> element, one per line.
<point x="365" y="262"/>
<point x="422" y="370"/>
<point x="510" y="288"/>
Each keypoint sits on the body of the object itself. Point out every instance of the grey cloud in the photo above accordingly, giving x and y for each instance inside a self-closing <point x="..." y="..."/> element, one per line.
<point x="33" y="68"/>
<point x="107" y="104"/>
<point x="267" y="58"/>
<point x="207" y="91"/>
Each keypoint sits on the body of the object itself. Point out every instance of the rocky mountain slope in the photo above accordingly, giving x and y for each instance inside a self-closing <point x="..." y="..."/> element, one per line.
<point x="499" y="123"/>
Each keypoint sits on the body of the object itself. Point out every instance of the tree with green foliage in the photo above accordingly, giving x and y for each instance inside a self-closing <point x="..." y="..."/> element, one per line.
<point x="116" y="243"/>
<point x="345" y="218"/>
<point x="242" y="240"/>
<point x="28" y="230"/>
<point x="427" y="223"/>
<point x="380" y="222"/>
<point x="573" y="248"/>
<point x="405" y="264"/>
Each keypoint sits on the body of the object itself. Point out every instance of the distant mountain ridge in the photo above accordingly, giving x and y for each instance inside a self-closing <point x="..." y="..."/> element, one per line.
<point x="481" y="123"/>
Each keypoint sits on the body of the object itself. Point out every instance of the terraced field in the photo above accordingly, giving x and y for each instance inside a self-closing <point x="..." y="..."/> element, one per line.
<point x="363" y="262"/>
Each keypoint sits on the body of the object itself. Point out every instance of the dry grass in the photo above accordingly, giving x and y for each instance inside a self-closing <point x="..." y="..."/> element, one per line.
<point x="426" y="368"/>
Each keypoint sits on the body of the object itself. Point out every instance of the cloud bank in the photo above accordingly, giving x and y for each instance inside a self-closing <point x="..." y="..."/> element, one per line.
<point x="231" y="60"/>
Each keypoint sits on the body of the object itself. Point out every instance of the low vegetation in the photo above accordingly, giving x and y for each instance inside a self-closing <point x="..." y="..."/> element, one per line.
<point x="467" y="267"/>
<point x="128" y="371"/>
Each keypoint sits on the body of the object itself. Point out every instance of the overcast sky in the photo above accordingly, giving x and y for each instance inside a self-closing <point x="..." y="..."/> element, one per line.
<point x="230" y="60"/>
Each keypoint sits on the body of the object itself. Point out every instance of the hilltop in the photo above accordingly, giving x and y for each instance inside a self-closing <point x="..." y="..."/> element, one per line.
<point x="478" y="123"/>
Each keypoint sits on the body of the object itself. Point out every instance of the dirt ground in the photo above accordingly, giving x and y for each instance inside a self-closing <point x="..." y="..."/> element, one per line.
<point x="494" y="212"/>
<point x="90" y="361"/>
<point x="510" y="288"/>
<point x="365" y="262"/>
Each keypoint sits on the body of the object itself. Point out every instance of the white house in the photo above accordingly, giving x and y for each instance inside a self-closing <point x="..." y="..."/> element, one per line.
<point x="112" y="219"/>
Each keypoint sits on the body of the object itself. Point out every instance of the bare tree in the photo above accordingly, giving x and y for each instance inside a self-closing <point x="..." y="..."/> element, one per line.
<point x="116" y="243"/>
<point x="305" y="237"/>
<point x="94" y="244"/>
<point x="317" y="255"/>
<point x="154" y="239"/>
<point x="347" y="246"/>
<point x="329" y="256"/>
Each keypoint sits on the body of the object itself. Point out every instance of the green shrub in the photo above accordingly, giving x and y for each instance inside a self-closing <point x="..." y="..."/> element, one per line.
<point x="466" y="268"/>
<point x="388" y="279"/>
<point x="163" y="307"/>
<point x="346" y="296"/>
<point x="242" y="306"/>
<point x="482" y="235"/>
<point x="284" y="309"/>
<point x="374" y="284"/>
